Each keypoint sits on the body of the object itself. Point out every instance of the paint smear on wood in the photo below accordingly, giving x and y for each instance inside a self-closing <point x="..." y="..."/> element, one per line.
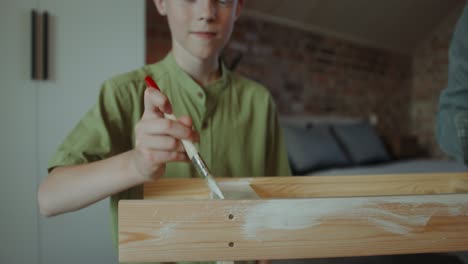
<point x="238" y="190"/>
<point x="397" y="215"/>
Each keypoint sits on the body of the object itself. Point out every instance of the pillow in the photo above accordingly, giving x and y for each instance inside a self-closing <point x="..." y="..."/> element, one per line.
<point x="361" y="143"/>
<point x="313" y="148"/>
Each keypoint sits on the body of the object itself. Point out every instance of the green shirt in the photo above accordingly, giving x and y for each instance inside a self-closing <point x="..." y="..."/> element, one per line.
<point x="236" y="118"/>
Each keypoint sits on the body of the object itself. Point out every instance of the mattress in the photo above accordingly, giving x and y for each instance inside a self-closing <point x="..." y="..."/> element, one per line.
<point x="397" y="167"/>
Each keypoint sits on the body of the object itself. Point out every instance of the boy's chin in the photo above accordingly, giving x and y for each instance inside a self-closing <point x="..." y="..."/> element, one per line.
<point x="205" y="54"/>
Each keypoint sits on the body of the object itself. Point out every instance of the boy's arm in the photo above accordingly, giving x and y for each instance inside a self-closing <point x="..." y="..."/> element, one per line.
<point x="70" y="187"/>
<point x="452" y="118"/>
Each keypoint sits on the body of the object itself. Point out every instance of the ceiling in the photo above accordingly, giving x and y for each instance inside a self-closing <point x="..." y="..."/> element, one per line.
<point x="397" y="25"/>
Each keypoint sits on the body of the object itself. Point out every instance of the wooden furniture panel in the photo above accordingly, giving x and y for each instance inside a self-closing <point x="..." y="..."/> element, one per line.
<point x="296" y="217"/>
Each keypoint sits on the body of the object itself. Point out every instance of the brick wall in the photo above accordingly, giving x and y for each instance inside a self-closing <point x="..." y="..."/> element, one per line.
<point x="314" y="74"/>
<point x="430" y="72"/>
<point x="310" y="73"/>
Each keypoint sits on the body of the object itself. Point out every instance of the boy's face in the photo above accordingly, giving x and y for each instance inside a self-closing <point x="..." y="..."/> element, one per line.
<point x="201" y="27"/>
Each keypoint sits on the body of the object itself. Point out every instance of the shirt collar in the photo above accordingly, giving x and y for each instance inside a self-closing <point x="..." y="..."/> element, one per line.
<point x="209" y="94"/>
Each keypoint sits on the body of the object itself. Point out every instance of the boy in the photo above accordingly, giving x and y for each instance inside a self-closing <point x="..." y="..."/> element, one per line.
<point x="124" y="141"/>
<point x="452" y="119"/>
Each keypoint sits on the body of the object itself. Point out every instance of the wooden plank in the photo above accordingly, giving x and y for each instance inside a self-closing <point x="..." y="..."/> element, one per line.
<point x="368" y="185"/>
<point x="196" y="189"/>
<point x="171" y="230"/>
<point x="317" y="186"/>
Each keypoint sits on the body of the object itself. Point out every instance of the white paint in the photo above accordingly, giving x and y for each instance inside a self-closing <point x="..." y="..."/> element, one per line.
<point x="165" y="232"/>
<point x="214" y="187"/>
<point x="455" y="211"/>
<point x="289" y="215"/>
<point x="238" y="190"/>
<point x="169" y="227"/>
<point x="235" y="182"/>
<point x="155" y="212"/>
<point x="397" y="223"/>
<point x="298" y="214"/>
<point x="389" y="226"/>
<point x="420" y="220"/>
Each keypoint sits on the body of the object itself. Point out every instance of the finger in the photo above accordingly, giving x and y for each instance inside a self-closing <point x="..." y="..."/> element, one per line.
<point x="167" y="127"/>
<point x="186" y="121"/>
<point x="152" y="115"/>
<point x="169" y="156"/>
<point x="156" y="101"/>
<point x="162" y="143"/>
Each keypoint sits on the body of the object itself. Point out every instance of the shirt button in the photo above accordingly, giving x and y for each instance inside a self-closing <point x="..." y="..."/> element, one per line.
<point x="205" y="125"/>
<point x="200" y="95"/>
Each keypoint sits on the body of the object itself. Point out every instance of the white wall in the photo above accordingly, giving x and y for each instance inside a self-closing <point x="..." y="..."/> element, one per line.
<point x="18" y="166"/>
<point x="90" y="42"/>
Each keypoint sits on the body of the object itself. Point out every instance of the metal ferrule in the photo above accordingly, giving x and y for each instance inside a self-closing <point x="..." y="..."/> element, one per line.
<point x="200" y="165"/>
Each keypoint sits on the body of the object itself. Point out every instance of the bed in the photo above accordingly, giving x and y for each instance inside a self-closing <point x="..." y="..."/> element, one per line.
<point x="349" y="146"/>
<point x="397" y="166"/>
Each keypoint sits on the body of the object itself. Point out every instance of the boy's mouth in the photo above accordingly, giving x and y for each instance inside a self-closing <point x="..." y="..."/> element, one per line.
<point x="204" y="34"/>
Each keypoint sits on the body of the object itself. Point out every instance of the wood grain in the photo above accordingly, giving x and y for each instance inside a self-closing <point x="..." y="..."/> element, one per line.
<point x="296" y="217"/>
<point x="316" y="186"/>
<point x="172" y="230"/>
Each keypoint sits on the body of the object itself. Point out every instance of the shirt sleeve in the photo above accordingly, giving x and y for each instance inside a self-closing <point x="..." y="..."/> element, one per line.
<point x="277" y="163"/>
<point x="104" y="131"/>
<point x="452" y="118"/>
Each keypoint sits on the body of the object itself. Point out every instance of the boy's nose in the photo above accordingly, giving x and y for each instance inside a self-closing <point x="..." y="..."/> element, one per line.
<point x="207" y="10"/>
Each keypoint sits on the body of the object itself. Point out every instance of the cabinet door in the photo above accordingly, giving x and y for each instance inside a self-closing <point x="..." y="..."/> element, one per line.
<point x="18" y="166"/>
<point x="90" y="41"/>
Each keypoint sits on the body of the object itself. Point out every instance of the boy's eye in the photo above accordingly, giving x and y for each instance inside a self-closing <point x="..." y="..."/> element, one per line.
<point x="219" y="2"/>
<point x="225" y="2"/>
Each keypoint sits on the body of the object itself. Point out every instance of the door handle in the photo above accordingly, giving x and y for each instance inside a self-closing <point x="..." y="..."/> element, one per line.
<point x="45" y="46"/>
<point x="40" y="54"/>
<point x="33" y="45"/>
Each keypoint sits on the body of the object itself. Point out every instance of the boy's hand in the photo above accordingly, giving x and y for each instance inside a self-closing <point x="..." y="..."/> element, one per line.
<point x="157" y="139"/>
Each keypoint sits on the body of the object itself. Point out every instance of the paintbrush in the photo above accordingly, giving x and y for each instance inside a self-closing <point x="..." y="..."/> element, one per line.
<point x="192" y="152"/>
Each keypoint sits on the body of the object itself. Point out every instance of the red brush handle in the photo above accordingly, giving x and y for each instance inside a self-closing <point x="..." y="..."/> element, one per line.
<point x="151" y="83"/>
